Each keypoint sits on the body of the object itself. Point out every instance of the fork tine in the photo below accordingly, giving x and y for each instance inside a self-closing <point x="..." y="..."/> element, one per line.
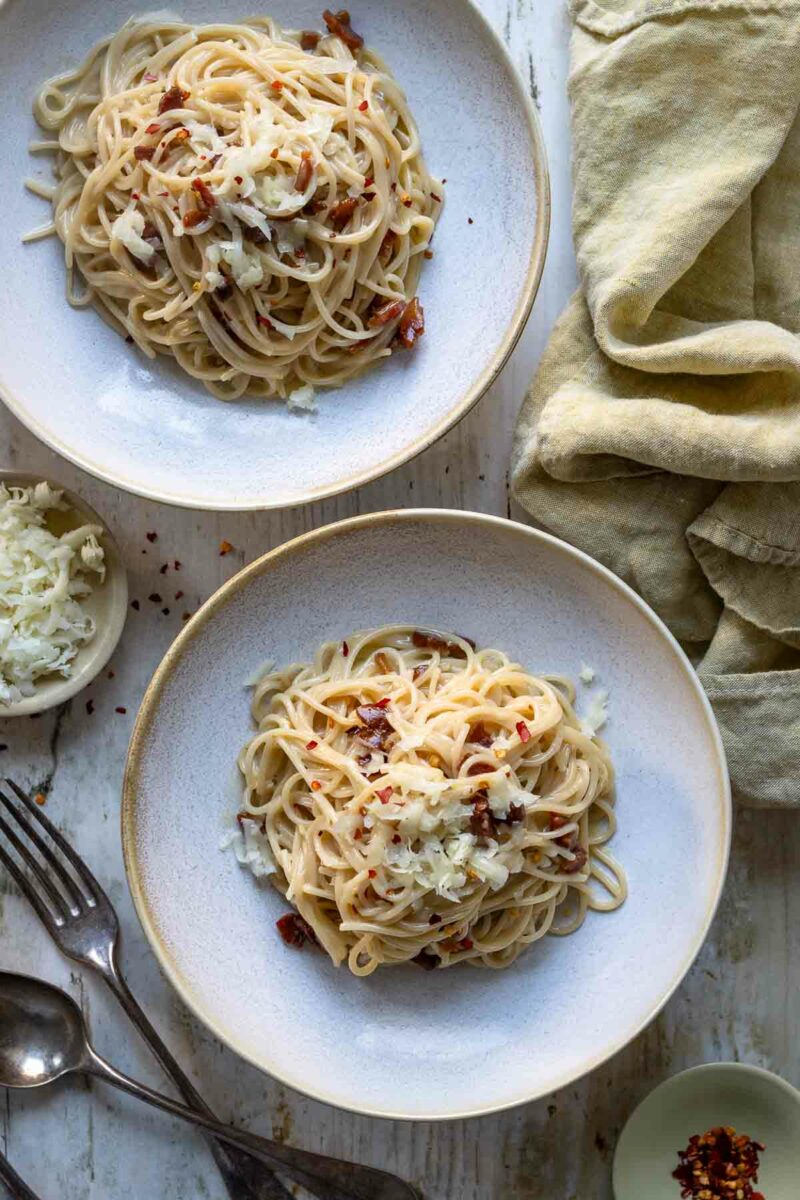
<point x="81" y="870"/>
<point x="30" y="893"/>
<point x="24" y="881"/>
<point x="73" y="896"/>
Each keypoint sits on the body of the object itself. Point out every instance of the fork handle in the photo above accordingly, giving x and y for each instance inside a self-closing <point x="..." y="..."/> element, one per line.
<point x="17" y="1188"/>
<point x="245" y="1178"/>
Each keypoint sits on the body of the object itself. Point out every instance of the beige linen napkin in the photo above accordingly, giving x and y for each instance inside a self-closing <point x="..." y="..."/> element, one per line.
<point x="662" y="432"/>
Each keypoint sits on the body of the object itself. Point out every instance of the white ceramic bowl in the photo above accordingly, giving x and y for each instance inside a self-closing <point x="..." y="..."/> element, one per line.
<point x="149" y="428"/>
<point x="404" y="1042"/>
<point x="753" y="1101"/>
<point x="108" y="604"/>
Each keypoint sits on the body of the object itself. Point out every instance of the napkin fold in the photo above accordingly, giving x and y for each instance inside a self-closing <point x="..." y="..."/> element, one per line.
<point x="662" y="431"/>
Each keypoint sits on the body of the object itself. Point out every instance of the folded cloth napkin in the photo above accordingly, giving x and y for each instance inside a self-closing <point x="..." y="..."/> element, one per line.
<point x="662" y="432"/>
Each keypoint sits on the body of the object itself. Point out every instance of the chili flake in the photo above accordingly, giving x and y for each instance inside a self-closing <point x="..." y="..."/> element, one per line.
<point x="40" y="798"/>
<point x="151" y="537"/>
<point x="315" y="785"/>
<point x="225" y="547"/>
<point x="523" y="731"/>
<point x="311" y="745"/>
<point x="719" y="1164"/>
<point x="121" y="709"/>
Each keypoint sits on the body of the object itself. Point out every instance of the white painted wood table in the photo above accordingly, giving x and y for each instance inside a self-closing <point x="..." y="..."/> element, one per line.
<point x="81" y="1142"/>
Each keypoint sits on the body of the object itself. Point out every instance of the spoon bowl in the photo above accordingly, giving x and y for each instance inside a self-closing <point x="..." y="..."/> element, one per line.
<point x="41" y="1033"/>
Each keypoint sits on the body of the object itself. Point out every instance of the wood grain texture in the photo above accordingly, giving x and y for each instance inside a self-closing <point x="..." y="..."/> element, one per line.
<point x="81" y="1142"/>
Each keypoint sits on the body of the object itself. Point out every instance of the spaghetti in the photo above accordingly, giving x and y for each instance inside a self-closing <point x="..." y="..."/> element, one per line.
<point x="252" y="201"/>
<point x="418" y="799"/>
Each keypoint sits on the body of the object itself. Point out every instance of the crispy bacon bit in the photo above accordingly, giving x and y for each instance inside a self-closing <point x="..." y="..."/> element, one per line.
<point x="363" y="106"/>
<point x="265" y="321"/>
<point x="482" y="822"/>
<point x="434" y="919"/>
<point x="382" y="662"/>
<point x="312" y="745"/>
<point x="274" y="153"/>
<point x="174" y="98"/>
<point x="256" y="236"/>
<point x="204" y="193"/>
<point x="428" y="962"/>
<point x="557" y="821"/>
<point x="385" y="313"/>
<point x="396" y="839"/>
<point x="432" y="641"/>
<point x="309" y="40"/>
<point x="384" y="794"/>
<point x="195" y="216"/>
<point x="153" y="127"/>
<point x="359" y="833"/>
<point x="480" y="735"/>
<point x="339" y="25"/>
<point x="480" y="768"/>
<point x="277" y="85"/>
<point x="576" y="864"/>
<point x="295" y="930"/>
<point x="151" y="235"/>
<point x="343" y="211"/>
<point x="387" y="248"/>
<point x="376" y="728"/>
<point x="516" y="813"/>
<point x="412" y="324"/>
<point x="304" y="172"/>
<point x="143" y="153"/>
<point x="225" y="547"/>
<point x="419" y="671"/>
<point x="345" y="649"/>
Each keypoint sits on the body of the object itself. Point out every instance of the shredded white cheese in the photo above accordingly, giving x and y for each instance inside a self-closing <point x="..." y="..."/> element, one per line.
<point x="586" y="673"/>
<point x="43" y="579"/>
<point x="302" y="399"/>
<point x="597" y="713"/>
<point x="128" y="229"/>
<point x="251" y="846"/>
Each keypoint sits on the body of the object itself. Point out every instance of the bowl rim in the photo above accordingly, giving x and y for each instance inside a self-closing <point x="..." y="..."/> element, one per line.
<point x="116" y="578"/>
<point x="487" y="523"/>
<point x="463" y="405"/>
<point x="674" y="1083"/>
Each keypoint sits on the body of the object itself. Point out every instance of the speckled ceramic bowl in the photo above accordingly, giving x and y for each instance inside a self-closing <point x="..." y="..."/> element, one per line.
<point x="753" y="1101"/>
<point x="408" y="1043"/>
<point x="149" y="428"/>
<point x="108" y="604"/>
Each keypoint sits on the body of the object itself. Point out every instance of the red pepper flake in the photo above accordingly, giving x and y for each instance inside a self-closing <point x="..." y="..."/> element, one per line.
<point x="181" y="135"/>
<point x="295" y="930"/>
<point x="428" y="253"/>
<point x="142" y="153"/>
<point x="316" y="786"/>
<point x="372" y="873"/>
<point x="470" y="221"/>
<point x="311" y="745"/>
<point x="40" y="798"/>
<point x="466" y="943"/>
<point x="205" y="195"/>
<point x="339" y="25"/>
<point x="165" y="611"/>
<point x="135" y="196"/>
<point x="238" y="179"/>
<point x="309" y="40"/>
<point x="523" y="731"/>
<point x="154" y="597"/>
<point x="135" y="605"/>
<point x="345" y="649"/>
<point x="151" y="537"/>
<point x="274" y="153"/>
<point x="163" y="193"/>
<point x="438" y="199"/>
<point x="225" y="547"/>
<point x="149" y="77"/>
<point x="369" y="182"/>
<point x="719" y="1164"/>
<point x="384" y="703"/>
<point x="177" y="564"/>
<point x="153" y="127"/>
<point x="396" y="840"/>
<point x="173" y="98"/>
<point x="385" y="794"/>
<point x="90" y="707"/>
<point x="121" y="709"/>
<point x="304" y="172"/>
<point x="277" y="85"/>
<point x="363" y="106"/>
<point x="185" y="616"/>
<point x="163" y="569"/>
<point x="342" y="212"/>
<point x="110" y="675"/>
<point x="179" y="595"/>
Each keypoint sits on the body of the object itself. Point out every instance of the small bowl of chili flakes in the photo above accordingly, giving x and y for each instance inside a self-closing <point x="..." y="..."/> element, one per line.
<point x="716" y="1131"/>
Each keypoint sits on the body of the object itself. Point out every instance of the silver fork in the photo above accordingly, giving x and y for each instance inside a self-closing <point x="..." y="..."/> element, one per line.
<point x="82" y="922"/>
<point x="17" y="1188"/>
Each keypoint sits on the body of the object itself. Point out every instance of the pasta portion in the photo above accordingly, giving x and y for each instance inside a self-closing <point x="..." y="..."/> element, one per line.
<point x="252" y="201"/>
<point x="416" y="798"/>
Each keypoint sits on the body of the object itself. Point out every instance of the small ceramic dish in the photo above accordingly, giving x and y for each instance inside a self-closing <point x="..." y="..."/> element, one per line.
<point x="752" y="1100"/>
<point x="108" y="604"/>
<point x="148" y="427"/>
<point x="406" y="1043"/>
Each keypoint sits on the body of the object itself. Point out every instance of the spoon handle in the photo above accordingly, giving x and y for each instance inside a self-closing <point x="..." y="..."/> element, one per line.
<point x="17" y="1188"/>
<point x="328" y="1178"/>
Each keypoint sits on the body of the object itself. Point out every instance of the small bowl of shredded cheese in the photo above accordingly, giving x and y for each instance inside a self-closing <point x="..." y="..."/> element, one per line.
<point x="63" y="594"/>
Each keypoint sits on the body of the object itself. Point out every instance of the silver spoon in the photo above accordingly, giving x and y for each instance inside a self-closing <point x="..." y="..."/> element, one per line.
<point x="43" y="1036"/>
